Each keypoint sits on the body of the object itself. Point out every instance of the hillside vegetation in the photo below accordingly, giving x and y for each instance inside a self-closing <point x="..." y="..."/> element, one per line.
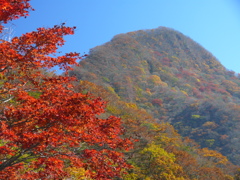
<point x="160" y="79"/>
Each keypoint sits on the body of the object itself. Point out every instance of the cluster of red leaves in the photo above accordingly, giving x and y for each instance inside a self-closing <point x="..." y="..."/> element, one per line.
<point x="13" y="9"/>
<point x="42" y="134"/>
<point x="32" y="50"/>
<point x="22" y="59"/>
<point x="56" y="126"/>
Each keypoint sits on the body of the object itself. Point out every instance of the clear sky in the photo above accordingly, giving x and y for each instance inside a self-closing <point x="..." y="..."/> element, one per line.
<point x="215" y="24"/>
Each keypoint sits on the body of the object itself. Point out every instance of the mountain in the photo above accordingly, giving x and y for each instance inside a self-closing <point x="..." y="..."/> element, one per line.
<point x="173" y="79"/>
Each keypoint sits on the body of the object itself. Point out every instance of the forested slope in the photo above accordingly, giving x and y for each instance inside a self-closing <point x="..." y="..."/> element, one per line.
<point x="173" y="79"/>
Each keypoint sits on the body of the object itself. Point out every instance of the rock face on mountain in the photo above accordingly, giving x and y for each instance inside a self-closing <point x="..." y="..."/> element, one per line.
<point x="175" y="80"/>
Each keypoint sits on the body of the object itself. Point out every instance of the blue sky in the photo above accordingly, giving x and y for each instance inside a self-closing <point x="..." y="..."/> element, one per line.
<point x="215" y="24"/>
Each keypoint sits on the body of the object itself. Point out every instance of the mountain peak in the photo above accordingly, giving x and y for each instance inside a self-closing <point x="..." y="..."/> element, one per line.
<point x="174" y="79"/>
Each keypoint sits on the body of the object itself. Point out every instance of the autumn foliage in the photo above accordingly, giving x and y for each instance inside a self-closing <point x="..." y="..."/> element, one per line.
<point x="58" y="127"/>
<point x="11" y="10"/>
<point x="183" y="85"/>
<point x="46" y="127"/>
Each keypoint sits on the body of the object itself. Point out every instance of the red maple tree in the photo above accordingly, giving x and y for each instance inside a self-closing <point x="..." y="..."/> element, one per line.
<point x="45" y="126"/>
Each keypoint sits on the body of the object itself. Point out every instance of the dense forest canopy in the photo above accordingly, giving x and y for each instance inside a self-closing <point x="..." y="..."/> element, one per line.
<point x="175" y="80"/>
<point x="47" y="129"/>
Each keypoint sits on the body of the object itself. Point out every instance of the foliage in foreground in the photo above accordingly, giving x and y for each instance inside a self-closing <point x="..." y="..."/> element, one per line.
<point x="47" y="130"/>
